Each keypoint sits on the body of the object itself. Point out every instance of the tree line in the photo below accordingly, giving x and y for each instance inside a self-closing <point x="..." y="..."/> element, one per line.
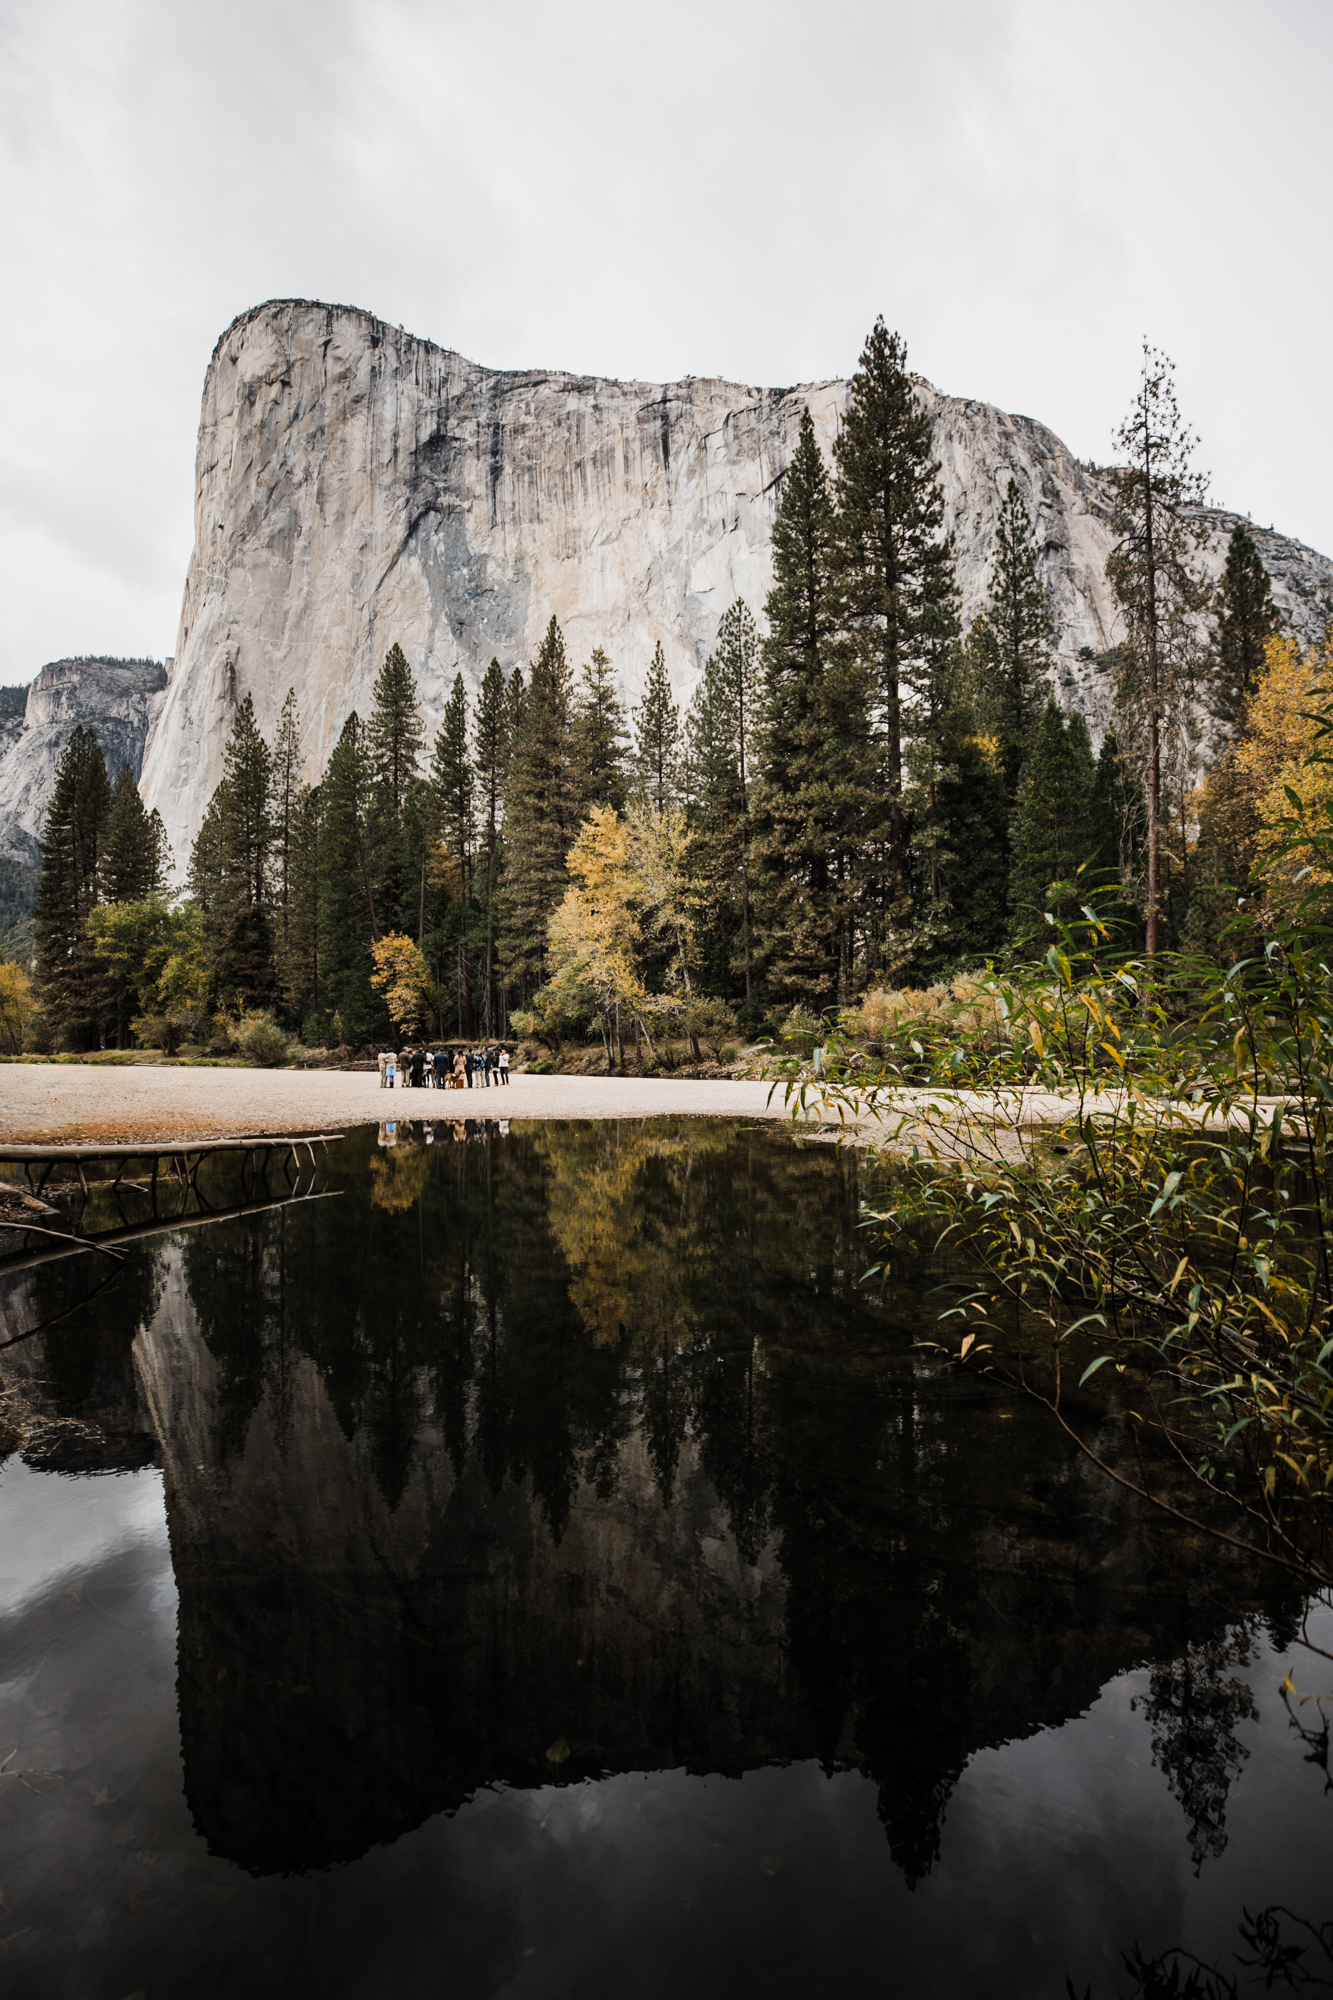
<point x="861" y="794"/>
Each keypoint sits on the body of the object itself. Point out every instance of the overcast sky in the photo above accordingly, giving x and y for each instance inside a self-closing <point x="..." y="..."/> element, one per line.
<point x="1024" y="188"/>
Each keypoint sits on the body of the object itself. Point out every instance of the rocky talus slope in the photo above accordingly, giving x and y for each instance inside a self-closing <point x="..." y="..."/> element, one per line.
<point x="357" y="486"/>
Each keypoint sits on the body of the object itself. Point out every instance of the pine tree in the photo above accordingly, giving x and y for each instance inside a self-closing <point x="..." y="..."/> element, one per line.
<point x="657" y="736"/>
<point x="129" y="869"/>
<point x="725" y="732"/>
<point x="711" y="781"/>
<point x="811" y="793"/>
<point x="452" y="782"/>
<point x="601" y="742"/>
<point x="1246" y="620"/>
<point x="347" y="914"/>
<point x="234" y="850"/>
<point x="895" y="565"/>
<point x="492" y="762"/>
<point x="395" y="733"/>
<point x="1012" y="639"/>
<point x="298" y="949"/>
<point x="131" y="864"/>
<point x="287" y="791"/>
<point x="541" y="812"/>
<point x="72" y="980"/>
<point x="1152" y="571"/>
<point x="394" y="738"/>
<point x="1053" y="831"/>
<point x="971" y="855"/>
<point x="1117" y="825"/>
<point x="958" y="798"/>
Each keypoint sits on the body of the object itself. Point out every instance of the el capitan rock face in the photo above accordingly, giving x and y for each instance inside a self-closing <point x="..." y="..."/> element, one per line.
<point x="358" y="486"/>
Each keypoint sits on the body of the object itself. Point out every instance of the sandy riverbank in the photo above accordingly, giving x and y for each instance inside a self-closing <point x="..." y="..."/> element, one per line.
<point x="67" y="1103"/>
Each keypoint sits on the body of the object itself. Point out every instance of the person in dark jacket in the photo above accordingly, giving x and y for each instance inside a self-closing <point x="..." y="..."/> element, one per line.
<point x="418" y="1069"/>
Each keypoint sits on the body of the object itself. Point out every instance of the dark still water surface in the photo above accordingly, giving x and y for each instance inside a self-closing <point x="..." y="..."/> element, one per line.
<point x="548" y="1573"/>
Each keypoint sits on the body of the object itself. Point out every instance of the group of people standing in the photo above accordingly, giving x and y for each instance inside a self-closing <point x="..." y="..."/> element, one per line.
<point x="465" y="1069"/>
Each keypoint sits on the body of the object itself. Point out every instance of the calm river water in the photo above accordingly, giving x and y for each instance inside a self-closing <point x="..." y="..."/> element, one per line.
<point x="543" y="1570"/>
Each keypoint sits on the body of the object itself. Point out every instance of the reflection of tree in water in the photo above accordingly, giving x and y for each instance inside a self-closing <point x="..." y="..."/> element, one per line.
<point x="398" y="1176"/>
<point x="1193" y="1706"/>
<point x="544" y="1301"/>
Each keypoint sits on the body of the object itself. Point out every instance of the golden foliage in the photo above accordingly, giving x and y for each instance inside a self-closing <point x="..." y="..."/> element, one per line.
<point x="403" y="977"/>
<point x="16" y="1007"/>
<point x="971" y="1005"/>
<point x="397" y="1177"/>
<point x="1273" y="756"/>
<point x="595" y="935"/>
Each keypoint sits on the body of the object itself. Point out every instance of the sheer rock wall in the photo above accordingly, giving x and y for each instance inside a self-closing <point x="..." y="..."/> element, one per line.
<point x="357" y="486"/>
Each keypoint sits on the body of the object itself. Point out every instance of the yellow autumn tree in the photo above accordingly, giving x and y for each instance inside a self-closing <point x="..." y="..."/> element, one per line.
<point x="667" y="898"/>
<point x="1287" y="791"/>
<point x="402" y="975"/>
<point x="595" y="935"/>
<point x="16" y="1007"/>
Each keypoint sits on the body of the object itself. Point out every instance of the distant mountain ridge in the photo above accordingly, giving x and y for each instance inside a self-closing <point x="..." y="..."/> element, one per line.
<point x="117" y="699"/>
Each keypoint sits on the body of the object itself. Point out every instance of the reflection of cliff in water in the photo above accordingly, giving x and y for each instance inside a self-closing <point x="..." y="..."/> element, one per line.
<point x="593" y="1458"/>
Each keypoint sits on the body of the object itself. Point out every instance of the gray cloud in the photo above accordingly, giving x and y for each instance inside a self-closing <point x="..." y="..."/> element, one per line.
<point x="1024" y="187"/>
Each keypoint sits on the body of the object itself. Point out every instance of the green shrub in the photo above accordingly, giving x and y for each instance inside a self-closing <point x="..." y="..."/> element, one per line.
<point x="260" y="1040"/>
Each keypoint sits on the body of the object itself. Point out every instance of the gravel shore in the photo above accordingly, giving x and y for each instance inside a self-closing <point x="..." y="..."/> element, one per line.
<point x="69" y="1103"/>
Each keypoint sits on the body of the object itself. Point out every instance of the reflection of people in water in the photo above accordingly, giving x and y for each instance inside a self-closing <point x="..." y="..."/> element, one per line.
<point x="504" y="1128"/>
<point x="389" y="1132"/>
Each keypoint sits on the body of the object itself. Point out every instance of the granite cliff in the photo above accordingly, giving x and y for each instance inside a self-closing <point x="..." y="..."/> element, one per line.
<point x="117" y="699"/>
<point x="356" y="485"/>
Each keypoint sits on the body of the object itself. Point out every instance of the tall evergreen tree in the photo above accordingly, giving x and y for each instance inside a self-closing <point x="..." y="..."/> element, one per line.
<point x="1152" y="569"/>
<point x="1011" y="640"/>
<point x="395" y="733"/>
<point x="738" y="670"/>
<point x="286" y="794"/>
<point x="813" y="787"/>
<point x="71" y="978"/>
<point x="394" y="737"/>
<point x="657" y="736"/>
<point x="895" y="564"/>
<point x="1246" y="620"/>
<point x="1053" y="829"/>
<point x="492" y="762"/>
<point x="130" y="867"/>
<point x="715" y="804"/>
<point x="298" y="948"/>
<point x="240" y="842"/>
<point x="132" y="863"/>
<point x="348" y="921"/>
<point x="452" y="787"/>
<point x="541" y="812"/>
<point x="601" y="742"/>
<point x="969" y="857"/>
<point x="1117" y="825"/>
